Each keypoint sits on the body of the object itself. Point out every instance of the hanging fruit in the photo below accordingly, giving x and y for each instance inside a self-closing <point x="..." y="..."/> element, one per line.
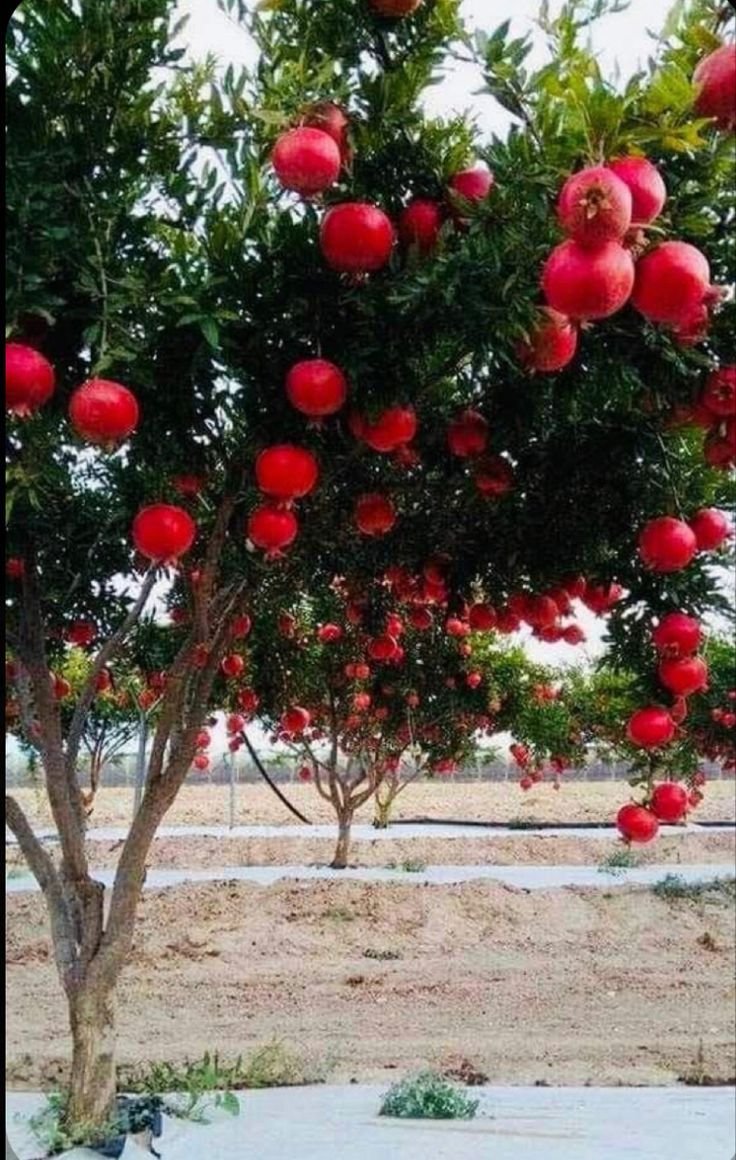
<point x="272" y="528"/>
<point x="29" y="379"/>
<point x="103" y="412"/>
<point x="588" y="284"/>
<point x="286" y="472"/>
<point x="594" y="207"/>
<point x="375" y="515"/>
<point x="667" y="544"/>
<point x="316" y="387"/>
<point x="163" y="532"/>
<point x="306" y="161"/>
<point x="356" y="238"/>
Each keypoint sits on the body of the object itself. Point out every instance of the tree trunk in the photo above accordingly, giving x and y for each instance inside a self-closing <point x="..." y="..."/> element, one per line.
<point x="382" y="814"/>
<point x="92" y="1088"/>
<point x="340" y="861"/>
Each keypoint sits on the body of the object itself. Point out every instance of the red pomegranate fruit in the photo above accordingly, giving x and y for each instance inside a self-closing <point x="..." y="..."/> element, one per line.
<point x="637" y="824"/>
<point x="684" y="676"/>
<point x="333" y="121"/>
<point x="189" y="486"/>
<point x="233" y="665"/>
<point x="420" y="224"/>
<point x="329" y="633"/>
<point x="669" y="801"/>
<point x="667" y="544"/>
<point x="295" y="720"/>
<point x="306" y="160"/>
<point x="421" y="619"/>
<point x="395" y="9"/>
<point x="316" y="387"/>
<point x="29" y="379"/>
<point x="81" y="633"/>
<point x="375" y="514"/>
<point x="241" y="627"/>
<point x="719" y="450"/>
<point x="677" y="635"/>
<point x="715" y="80"/>
<point x="711" y="529"/>
<point x="494" y="477"/>
<point x="472" y="184"/>
<point x="594" y="207"/>
<point x="719" y="392"/>
<point x="383" y="648"/>
<point x="482" y="617"/>
<point x="286" y="472"/>
<point x="103" y="412"/>
<point x="356" y="238"/>
<point x="648" y="191"/>
<point x="671" y="282"/>
<point x="467" y="435"/>
<point x="551" y="344"/>
<point x="650" y="728"/>
<point x="163" y="532"/>
<point x="394" y="428"/>
<point x="272" y="529"/>
<point x="248" y="701"/>
<point x="201" y="762"/>
<point x="588" y="284"/>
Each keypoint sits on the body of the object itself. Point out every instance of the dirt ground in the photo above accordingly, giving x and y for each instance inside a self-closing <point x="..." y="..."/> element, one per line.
<point x="212" y="853"/>
<point x="466" y="801"/>
<point x="561" y="986"/>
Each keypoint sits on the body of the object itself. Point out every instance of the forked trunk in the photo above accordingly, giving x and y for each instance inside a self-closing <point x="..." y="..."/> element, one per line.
<point x="340" y="861"/>
<point x="92" y="1089"/>
<point x="383" y="813"/>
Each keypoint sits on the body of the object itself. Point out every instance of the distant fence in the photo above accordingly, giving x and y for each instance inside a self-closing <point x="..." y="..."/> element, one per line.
<point x="121" y="773"/>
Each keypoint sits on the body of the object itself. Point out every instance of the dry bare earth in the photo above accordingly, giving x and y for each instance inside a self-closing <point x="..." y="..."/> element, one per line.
<point x="469" y="801"/>
<point x="562" y="986"/>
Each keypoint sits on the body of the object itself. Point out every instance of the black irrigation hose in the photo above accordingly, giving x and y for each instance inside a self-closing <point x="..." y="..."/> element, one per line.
<point x="525" y="826"/>
<point x="282" y="797"/>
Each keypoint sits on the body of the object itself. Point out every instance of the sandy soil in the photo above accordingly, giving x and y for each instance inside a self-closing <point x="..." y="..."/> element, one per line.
<point x="558" y="986"/>
<point x="469" y="801"/>
<point x="190" y="852"/>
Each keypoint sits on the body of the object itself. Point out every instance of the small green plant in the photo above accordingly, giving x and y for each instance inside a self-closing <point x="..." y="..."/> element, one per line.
<point x="620" y="859"/>
<point x="339" y="914"/>
<point x="519" y="823"/>
<point x="381" y="956"/>
<point x="427" y="1096"/>
<point x="190" y="1083"/>
<point x="673" y="887"/>
<point x="49" y="1125"/>
<point x="409" y="866"/>
<point x="697" y="1074"/>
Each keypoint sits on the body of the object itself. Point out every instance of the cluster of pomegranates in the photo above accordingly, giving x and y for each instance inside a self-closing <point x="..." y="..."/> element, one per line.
<point x="715" y="413"/>
<point x="667" y="544"/>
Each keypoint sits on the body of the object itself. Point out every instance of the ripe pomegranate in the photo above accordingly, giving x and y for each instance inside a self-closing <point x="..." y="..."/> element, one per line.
<point x="421" y="619"/>
<point x="62" y="688"/>
<point x="719" y="392"/>
<point x="201" y="762"/>
<point x="316" y="387"/>
<point x="361" y="702"/>
<point x="541" y="611"/>
<point x="420" y="224"/>
<point x="81" y="633"/>
<point x="467" y="435"/>
<point x="394" y="9"/>
<point x="551" y="344"/>
<point x="356" y="238"/>
<point x="272" y="528"/>
<point x="333" y="121"/>
<point x="600" y="598"/>
<point x="163" y="532"/>
<point x="29" y="379"/>
<point x="588" y="284"/>
<point x="649" y="728"/>
<point x="329" y="633"/>
<point x="494" y="477"/>
<point x="482" y="617"/>
<point x="676" y="635"/>
<point x="573" y="635"/>
<point x="235" y="723"/>
<point x="362" y="672"/>
<point x="248" y="700"/>
<point x="304" y="773"/>
<point x="203" y="739"/>
<point x="667" y="544"/>
<point x="383" y="648"/>
<point x="472" y="184"/>
<point x="719" y="450"/>
<point x="715" y="79"/>
<point x="147" y="699"/>
<point x="241" y="627"/>
<point x="393" y="428"/>
<point x="669" y="801"/>
<point x="637" y="824"/>
<point x="711" y="529"/>
<point x="286" y="472"/>
<point x="15" y="568"/>
<point x="232" y="665"/>
<point x="526" y="782"/>
<point x="594" y="207"/>
<point x="103" y="681"/>
<point x="103" y="412"/>
<point x="508" y="621"/>
<point x="189" y="486"/>
<point x="294" y="721"/>
<point x="648" y="191"/>
<point x="671" y="282"/>
<point x="684" y="676"/>
<point x="307" y="160"/>
<point x="474" y="680"/>
<point x="375" y="515"/>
